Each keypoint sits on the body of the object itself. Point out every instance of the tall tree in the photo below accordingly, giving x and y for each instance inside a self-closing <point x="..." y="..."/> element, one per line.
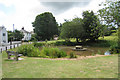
<point x="91" y="25"/>
<point x="73" y="29"/>
<point x="111" y="14"/>
<point x="45" y="26"/>
<point x="17" y="35"/>
<point x="10" y="35"/>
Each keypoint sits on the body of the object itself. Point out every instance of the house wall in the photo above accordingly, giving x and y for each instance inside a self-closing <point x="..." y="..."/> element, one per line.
<point x="27" y="36"/>
<point x="0" y="36"/>
<point x="3" y="36"/>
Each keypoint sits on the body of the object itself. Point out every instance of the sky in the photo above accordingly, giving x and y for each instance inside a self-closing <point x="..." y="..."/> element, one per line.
<point x="22" y="13"/>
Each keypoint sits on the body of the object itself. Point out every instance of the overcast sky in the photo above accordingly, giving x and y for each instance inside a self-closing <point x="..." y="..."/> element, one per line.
<point x="22" y="13"/>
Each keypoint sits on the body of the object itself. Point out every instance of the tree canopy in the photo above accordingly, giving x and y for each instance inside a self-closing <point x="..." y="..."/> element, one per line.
<point x="45" y="26"/>
<point x="15" y="36"/>
<point x="91" y="25"/>
<point x="88" y="28"/>
<point x="111" y="15"/>
<point x="72" y="29"/>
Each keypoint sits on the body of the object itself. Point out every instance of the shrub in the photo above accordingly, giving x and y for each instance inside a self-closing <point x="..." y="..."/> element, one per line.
<point x="38" y="44"/>
<point x="99" y="52"/>
<point x="34" y="53"/>
<point x="114" y="49"/>
<point x="28" y="50"/>
<point x="72" y="55"/>
<point x="67" y="43"/>
<point x="53" y="52"/>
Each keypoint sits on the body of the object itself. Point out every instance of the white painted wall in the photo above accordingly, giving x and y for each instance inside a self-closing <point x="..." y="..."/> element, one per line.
<point x="3" y="36"/>
<point x="27" y="35"/>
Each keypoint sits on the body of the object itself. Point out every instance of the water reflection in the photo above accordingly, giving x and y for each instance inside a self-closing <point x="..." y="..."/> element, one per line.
<point x="88" y="52"/>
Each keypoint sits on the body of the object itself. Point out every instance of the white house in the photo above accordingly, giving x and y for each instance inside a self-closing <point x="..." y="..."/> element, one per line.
<point x="3" y="36"/>
<point x="27" y="35"/>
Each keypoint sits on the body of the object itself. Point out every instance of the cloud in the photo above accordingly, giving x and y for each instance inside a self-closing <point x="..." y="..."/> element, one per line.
<point x="26" y="11"/>
<point x="60" y="7"/>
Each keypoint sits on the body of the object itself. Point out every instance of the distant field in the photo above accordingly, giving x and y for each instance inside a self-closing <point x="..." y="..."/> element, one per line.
<point x="112" y="38"/>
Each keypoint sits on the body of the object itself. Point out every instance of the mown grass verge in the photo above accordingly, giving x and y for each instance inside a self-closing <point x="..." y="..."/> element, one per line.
<point x="31" y="67"/>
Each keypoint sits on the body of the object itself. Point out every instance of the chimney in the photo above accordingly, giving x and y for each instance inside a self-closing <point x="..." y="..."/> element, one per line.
<point x="22" y="28"/>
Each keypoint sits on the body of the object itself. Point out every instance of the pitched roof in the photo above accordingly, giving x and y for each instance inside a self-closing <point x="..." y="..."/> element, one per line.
<point x="1" y="27"/>
<point x="24" y="31"/>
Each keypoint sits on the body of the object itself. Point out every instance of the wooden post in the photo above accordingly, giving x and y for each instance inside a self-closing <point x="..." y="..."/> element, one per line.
<point x="8" y="55"/>
<point x="6" y="48"/>
<point x="16" y="55"/>
<point x="17" y="45"/>
<point x="1" y="50"/>
<point x="10" y="47"/>
<point x="14" y="46"/>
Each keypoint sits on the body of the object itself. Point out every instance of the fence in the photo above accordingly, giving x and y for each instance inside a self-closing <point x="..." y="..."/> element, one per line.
<point x="3" y="48"/>
<point x="14" y="45"/>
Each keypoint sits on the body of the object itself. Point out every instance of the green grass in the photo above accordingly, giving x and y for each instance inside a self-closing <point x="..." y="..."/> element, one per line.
<point x="110" y="38"/>
<point x="0" y="66"/>
<point x="30" y="67"/>
<point x="107" y="41"/>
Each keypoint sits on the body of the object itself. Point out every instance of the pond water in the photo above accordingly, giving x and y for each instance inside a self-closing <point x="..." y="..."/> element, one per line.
<point x="88" y="52"/>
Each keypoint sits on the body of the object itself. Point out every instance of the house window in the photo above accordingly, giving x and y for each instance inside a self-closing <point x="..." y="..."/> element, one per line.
<point x="4" y="41"/>
<point x="3" y="34"/>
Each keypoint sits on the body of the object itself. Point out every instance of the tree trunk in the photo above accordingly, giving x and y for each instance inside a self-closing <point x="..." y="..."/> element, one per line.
<point x="77" y="40"/>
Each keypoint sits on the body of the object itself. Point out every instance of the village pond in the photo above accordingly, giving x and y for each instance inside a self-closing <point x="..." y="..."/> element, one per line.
<point x="90" y="50"/>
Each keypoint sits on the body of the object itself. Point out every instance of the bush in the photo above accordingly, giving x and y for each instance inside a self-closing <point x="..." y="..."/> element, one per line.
<point x="99" y="52"/>
<point x="72" y="55"/>
<point x="34" y="53"/>
<point x="67" y="43"/>
<point x="53" y="52"/>
<point x="38" y="44"/>
<point x="114" y="49"/>
<point x="28" y="50"/>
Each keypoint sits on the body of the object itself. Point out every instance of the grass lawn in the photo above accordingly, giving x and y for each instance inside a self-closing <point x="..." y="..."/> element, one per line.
<point x="0" y="65"/>
<point x="111" y="38"/>
<point x="98" y="67"/>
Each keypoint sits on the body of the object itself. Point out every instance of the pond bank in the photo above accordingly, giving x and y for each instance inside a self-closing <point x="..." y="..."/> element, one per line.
<point x="78" y="58"/>
<point x="90" y="50"/>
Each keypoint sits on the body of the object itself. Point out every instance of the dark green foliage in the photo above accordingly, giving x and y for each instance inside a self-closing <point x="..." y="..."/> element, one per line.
<point x="88" y="28"/>
<point x="72" y="29"/>
<point x="17" y="35"/>
<point x="67" y="43"/>
<point x="10" y="36"/>
<point x="72" y="55"/>
<point x="91" y="25"/>
<point x="38" y="44"/>
<point x="34" y="37"/>
<point x="46" y="52"/>
<point x="28" y="50"/>
<point x="110" y="14"/>
<point x="45" y="26"/>
<point x="53" y="52"/>
<point x="114" y="49"/>
<point x="100" y="43"/>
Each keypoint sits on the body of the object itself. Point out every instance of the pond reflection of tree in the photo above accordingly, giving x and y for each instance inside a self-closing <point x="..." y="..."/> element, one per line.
<point x="89" y="51"/>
